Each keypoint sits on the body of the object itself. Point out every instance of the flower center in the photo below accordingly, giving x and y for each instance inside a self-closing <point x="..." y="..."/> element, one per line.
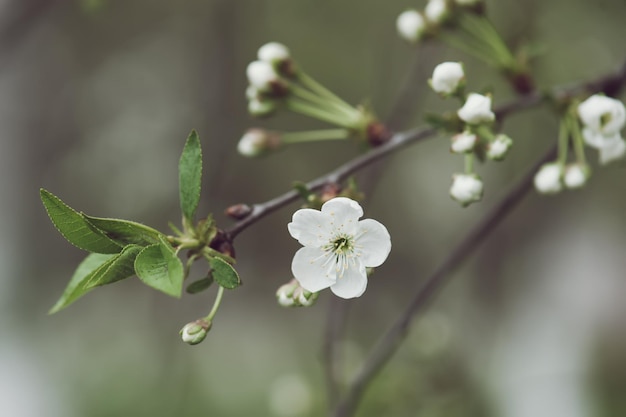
<point x="341" y="249"/>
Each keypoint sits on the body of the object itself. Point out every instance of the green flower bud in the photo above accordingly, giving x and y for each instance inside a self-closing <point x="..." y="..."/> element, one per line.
<point x="195" y="332"/>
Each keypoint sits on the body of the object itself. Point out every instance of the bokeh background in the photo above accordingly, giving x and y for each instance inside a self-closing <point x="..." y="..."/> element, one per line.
<point x="96" y="100"/>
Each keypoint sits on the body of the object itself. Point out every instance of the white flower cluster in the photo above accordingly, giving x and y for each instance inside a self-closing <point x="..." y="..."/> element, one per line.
<point x="265" y="79"/>
<point x="603" y="118"/>
<point x="448" y="80"/>
<point x="553" y="176"/>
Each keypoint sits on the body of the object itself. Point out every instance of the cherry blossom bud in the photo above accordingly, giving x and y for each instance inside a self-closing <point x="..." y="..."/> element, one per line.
<point x="262" y="76"/>
<point x="602" y="114"/>
<point x="548" y="178"/>
<point x="463" y="142"/>
<point x="256" y="142"/>
<point x="195" y="332"/>
<point x="238" y="211"/>
<point x="575" y="175"/>
<point x="293" y="295"/>
<point x="273" y="52"/>
<point x="447" y="78"/>
<point x="259" y="107"/>
<point x="499" y="148"/>
<point x="477" y="109"/>
<point x="436" y="11"/>
<point x="410" y="25"/>
<point x="466" y="188"/>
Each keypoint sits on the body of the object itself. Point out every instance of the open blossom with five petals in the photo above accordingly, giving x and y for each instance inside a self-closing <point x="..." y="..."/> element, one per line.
<point x="338" y="247"/>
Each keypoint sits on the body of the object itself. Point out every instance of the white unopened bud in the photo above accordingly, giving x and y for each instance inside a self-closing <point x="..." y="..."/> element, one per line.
<point x="273" y="52"/>
<point x="548" y="178"/>
<point x="262" y="76"/>
<point x="466" y="188"/>
<point x="499" y="148"/>
<point x="293" y="295"/>
<point x="477" y="109"/>
<point x="436" y="11"/>
<point x="410" y="25"/>
<point x="463" y="142"/>
<point x="195" y="332"/>
<point x="575" y="175"/>
<point x="262" y="107"/>
<point x="256" y="142"/>
<point x="602" y="114"/>
<point x="447" y="78"/>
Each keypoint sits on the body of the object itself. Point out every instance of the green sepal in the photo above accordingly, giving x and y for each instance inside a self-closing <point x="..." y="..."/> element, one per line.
<point x="95" y="270"/>
<point x="75" y="228"/>
<point x="302" y="190"/>
<point x="190" y="176"/>
<point x="448" y="122"/>
<point x="200" y="285"/>
<point x="158" y="267"/>
<point x="125" y="232"/>
<point x="224" y="274"/>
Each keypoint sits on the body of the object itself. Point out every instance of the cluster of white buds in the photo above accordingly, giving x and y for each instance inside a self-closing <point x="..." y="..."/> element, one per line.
<point x="293" y="295"/>
<point x="477" y="136"/>
<point x="603" y="118"/>
<point x="553" y="176"/>
<point x="413" y="25"/>
<point x="275" y="82"/>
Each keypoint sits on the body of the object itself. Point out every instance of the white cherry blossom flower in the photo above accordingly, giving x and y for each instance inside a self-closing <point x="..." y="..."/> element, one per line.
<point x="338" y="247"/>
<point x="447" y="77"/>
<point x="463" y="142"/>
<point x="466" y="188"/>
<point x="603" y="115"/>
<point x="410" y="25"/>
<point x="477" y="109"/>
<point x="261" y="75"/>
<point x="548" y="178"/>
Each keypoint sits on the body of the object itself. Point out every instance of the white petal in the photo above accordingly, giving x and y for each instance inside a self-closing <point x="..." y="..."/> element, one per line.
<point x="373" y="242"/>
<point x="313" y="270"/>
<point x="310" y="227"/>
<point x="345" y="214"/>
<point x="613" y="151"/>
<point x="352" y="284"/>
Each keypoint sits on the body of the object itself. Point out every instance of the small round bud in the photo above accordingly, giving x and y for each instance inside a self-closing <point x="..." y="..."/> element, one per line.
<point x="499" y="148"/>
<point x="466" y="188"/>
<point x="238" y="211"/>
<point x="410" y="25"/>
<point x="262" y="107"/>
<point x="602" y="114"/>
<point x="447" y="78"/>
<point x="293" y="295"/>
<point x="195" y="332"/>
<point x="477" y="109"/>
<point x="262" y="76"/>
<point x="256" y="142"/>
<point x="436" y="11"/>
<point x="305" y="298"/>
<point x="548" y="178"/>
<point x="273" y="52"/>
<point x="463" y="142"/>
<point x="575" y="175"/>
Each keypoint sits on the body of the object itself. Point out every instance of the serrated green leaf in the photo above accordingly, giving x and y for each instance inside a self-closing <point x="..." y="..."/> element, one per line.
<point x="125" y="232"/>
<point x="75" y="288"/>
<point x="224" y="274"/>
<point x="158" y="267"/>
<point x="73" y="226"/>
<point x="190" y="175"/>
<point x="119" y="267"/>
<point x="200" y="285"/>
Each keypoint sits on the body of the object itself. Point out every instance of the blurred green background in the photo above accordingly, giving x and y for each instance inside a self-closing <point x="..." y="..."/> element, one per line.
<point x="96" y="99"/>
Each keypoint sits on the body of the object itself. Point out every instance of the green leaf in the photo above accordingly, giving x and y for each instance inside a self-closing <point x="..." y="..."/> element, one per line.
<point x="96" y="270"/>
<point x="75" y="288"/>
<point x="125" y="232"/>
<point x="73" y="226"/>
<point x="200" y="285"/>
<point x="224" y="274"/>
<point x="190" y="175"/>
<point x="158" y="267"/>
